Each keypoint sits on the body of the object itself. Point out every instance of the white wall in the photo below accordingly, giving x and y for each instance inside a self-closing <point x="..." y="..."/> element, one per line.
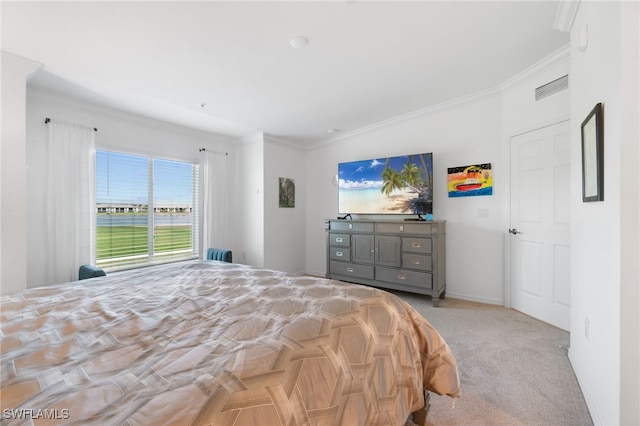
<point x="472" y="130"/>
<point x="13" y="200"/>
<point x="266" y="235"/>
<point x="522" y="113"/>
<point x="285" y="231"/>
<point x="250" y="223"/>
<point x="458" y="134"/>
<point x="117" y="131"/>
<point x="601" y="278"/>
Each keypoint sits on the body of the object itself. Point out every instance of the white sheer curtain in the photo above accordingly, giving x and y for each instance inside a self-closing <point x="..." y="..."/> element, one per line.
<point x="214" y="201"/>
<point x="70" y="203"/>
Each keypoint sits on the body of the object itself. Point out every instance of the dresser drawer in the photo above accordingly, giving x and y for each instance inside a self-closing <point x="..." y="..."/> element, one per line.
<point x="403" y="276"/>
<point x="340" y="253"/>
<point x="342" y="240"/>
<point x="418" y="228"/>
<point x="416" y="245"/>
<point x="421" y="262"/>
<point x="390" y="228"/>
<point x="352" y="270"/>
<point x="404" y="228"/>
<point x="351" y="226"/>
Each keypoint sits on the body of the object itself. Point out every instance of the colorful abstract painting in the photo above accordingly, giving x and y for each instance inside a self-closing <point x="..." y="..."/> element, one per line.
<point x="467" y="181"/>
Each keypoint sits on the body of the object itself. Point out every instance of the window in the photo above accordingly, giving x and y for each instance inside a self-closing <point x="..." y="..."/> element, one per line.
<point x="147" y="210"/>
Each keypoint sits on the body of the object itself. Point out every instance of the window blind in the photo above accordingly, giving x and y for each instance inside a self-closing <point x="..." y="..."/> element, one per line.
<point x="147" y="210"/>
<point x="175" y="198"/>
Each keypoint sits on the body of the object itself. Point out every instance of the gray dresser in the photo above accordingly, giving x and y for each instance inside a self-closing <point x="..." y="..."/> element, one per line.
<point x="408" y="256"/>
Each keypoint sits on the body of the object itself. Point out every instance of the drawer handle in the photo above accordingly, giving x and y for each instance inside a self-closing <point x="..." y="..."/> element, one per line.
<point x="416" y="262"/>
<point x="339" y="253"/>
<point x="349" y="269"/>
<point x="338" y="239"/>
<point x="402" y="277"/>
<point x="415" y="245"/>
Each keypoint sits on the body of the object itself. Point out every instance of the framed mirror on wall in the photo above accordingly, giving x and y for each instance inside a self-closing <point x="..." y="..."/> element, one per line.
<point x="593" y="156"/>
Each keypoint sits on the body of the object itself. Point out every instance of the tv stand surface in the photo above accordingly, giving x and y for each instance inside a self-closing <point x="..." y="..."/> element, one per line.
<point x="397" y="255"/>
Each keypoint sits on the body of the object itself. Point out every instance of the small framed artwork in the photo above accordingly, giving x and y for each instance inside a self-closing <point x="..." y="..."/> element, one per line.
<point x="593" y="156"/>
<point x="469" y="181"/>
<point x="287" y="192"/>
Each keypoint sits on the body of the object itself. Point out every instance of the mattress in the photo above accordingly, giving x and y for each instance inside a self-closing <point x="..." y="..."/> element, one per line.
<point x="208" y="342"/>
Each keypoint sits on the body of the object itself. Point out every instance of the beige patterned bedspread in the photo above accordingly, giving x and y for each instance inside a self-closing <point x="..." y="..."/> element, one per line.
<point x="216" y="343"/>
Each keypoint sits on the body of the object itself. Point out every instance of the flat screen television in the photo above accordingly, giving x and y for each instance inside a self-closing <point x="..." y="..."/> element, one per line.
<point x="388" y="185"/>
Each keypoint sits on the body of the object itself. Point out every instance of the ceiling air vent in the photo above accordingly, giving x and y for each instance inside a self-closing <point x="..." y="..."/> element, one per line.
<point x="552" y="87"/>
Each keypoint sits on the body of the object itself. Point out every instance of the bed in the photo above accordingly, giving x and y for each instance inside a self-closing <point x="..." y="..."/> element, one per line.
<point x="208" y="342"/>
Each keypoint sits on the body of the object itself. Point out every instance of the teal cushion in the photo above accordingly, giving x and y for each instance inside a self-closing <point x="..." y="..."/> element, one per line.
<point x="219" y="254"/>
<point x="90" y="271"/>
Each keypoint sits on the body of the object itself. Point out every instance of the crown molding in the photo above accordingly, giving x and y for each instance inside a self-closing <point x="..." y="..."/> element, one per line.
<point x="59" y="100"/>
<point x="558" y="57"/>
<point x="408" y="116"/>
<point x="268" y="138"/>
<point x="565" y="15"/>
<point x="18" y="64"/>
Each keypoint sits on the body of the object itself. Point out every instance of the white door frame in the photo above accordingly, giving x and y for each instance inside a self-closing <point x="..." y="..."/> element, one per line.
<point x="507" y="210"/>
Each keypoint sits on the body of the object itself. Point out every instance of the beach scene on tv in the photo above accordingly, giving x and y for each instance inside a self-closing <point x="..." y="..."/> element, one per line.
<point x="390" y="185"/>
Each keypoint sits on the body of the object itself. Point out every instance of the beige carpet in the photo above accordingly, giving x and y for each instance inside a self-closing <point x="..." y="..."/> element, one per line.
<point x="514" y="369"/>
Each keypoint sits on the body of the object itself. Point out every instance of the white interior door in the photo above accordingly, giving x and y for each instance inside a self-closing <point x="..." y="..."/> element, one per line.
<point x="539" y="225"/>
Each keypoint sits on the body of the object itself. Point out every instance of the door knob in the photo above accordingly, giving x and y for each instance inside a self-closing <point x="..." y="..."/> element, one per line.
<point x="514" y="231"/>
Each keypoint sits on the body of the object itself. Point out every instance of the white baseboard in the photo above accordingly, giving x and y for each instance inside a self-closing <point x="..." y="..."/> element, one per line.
<point x="588" y="398"/>
<point x="469" y="298"/>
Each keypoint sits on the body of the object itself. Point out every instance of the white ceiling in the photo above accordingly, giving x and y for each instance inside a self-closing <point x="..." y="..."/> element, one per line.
<point x="365" y="62"/>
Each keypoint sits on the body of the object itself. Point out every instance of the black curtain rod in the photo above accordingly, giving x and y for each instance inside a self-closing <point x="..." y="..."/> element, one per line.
<point x="204" y="149"/>
<point x="47" y="120"/>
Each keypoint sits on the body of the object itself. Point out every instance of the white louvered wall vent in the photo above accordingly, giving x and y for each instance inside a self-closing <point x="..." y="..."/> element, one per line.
<point x="552" y="87"/>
